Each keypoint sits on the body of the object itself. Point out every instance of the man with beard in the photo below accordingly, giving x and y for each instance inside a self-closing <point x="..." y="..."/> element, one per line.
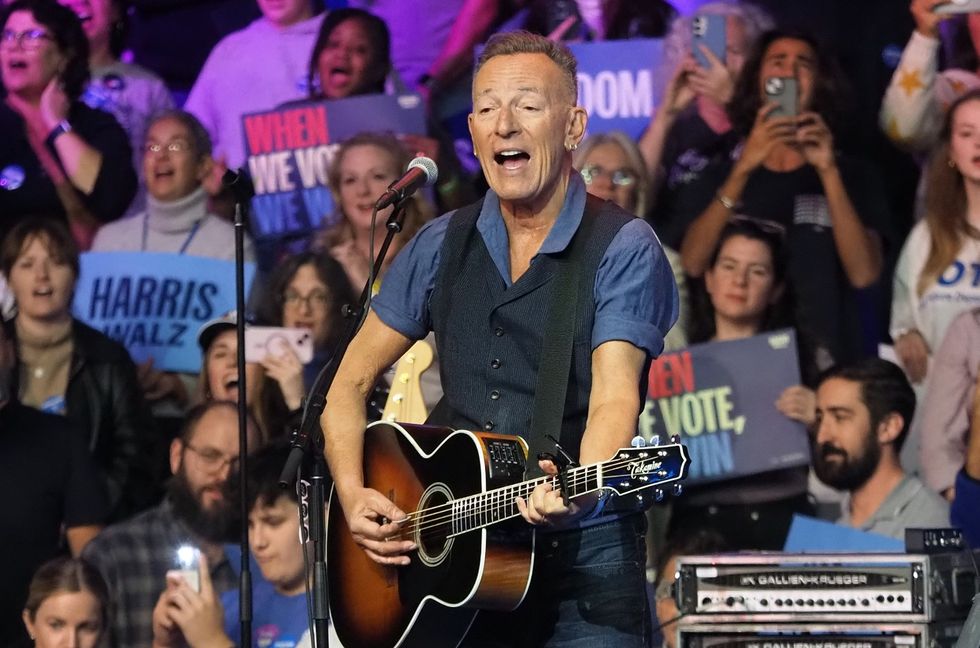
<point x="134" y="556"/>
<point x="863" y="415"/>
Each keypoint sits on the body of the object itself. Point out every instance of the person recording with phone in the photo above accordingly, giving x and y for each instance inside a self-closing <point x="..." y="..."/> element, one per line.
<point x="59" y="156"/>
<point x="690" y="128"/>
<point x="788" y="172"/>
<point x="134" y="556"/>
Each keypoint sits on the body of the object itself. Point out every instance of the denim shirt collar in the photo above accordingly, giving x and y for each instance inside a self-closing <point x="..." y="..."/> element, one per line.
<point x="491" y="226"/>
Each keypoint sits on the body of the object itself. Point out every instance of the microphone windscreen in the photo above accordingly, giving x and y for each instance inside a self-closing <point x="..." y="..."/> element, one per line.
<point x="428" y="166"/>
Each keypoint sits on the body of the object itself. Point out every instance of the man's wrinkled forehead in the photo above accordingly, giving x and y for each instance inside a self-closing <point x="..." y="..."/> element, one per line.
<point x="533" y="73"/>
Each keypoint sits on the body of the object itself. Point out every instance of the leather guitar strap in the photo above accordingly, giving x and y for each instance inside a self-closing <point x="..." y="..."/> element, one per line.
<point x="556" y="351"/>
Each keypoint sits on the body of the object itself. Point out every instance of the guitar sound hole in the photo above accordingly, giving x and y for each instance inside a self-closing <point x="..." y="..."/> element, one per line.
<point x="434" y="525"/>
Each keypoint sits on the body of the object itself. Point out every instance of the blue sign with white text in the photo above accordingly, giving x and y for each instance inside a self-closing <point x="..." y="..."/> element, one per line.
<point x="615" y="83"/>
<point x="154" y="304"/>
<point x="290" y="150"/>
<point x="720" y="398"/>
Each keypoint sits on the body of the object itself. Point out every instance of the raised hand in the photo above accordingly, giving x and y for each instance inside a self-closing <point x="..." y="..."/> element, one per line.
<point x="913" y="352"/>
<point x="54" y="103"/>
<point x="285" y="368"/>
<point x="798" y="403"/>
<point x="816" y="141"/>
<point x="926" y="20"/>
<point x="767" y="133"/>
<point x="714" y="81"/>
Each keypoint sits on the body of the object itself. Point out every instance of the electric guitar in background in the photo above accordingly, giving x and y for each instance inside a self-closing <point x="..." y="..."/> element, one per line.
<point x="474" y="549"/>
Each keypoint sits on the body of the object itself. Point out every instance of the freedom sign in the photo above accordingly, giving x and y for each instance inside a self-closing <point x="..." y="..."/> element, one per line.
<point x="291" y="148"/>
<point x="720" y="397"/>
<point x="154" y="303"/>
<point x="615" y="83"/>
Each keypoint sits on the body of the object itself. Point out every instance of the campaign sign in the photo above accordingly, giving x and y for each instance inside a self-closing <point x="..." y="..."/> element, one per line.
<point x="720" y="398"/>
<point x="615" y="83"/>
<point x="153" y="303"/>
<point x="290" y="149"/>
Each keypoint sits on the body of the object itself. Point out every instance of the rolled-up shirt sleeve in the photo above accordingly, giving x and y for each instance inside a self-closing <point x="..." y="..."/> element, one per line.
<point x="403" y="302"/>
<point x="635" y="292"/>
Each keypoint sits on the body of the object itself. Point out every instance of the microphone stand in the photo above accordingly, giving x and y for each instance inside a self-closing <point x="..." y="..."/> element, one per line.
<point x="242" y="191"/>
<point x="307" y="444"/>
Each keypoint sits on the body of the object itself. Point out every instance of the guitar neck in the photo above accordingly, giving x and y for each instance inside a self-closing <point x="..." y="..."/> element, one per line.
<point x="486" y="509"/>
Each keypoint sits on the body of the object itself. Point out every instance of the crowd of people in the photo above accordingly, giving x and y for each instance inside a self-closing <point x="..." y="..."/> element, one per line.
<point x="761" y="221"/>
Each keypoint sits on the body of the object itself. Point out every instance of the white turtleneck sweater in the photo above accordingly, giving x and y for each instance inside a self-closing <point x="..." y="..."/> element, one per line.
<point x="168" y="225"/>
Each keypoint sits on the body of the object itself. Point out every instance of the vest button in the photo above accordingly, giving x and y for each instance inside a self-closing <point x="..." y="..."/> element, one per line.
<point x="495" y="363"/>
<point x="499" y="331"/>
<point x="494" y="395"/>
<point x="488" y="426"/>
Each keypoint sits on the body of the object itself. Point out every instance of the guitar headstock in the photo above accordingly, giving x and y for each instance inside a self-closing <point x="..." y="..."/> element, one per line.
<point x="646" y="466"/>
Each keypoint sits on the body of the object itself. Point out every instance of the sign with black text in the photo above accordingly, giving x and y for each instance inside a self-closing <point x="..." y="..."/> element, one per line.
<point x="154" y="303"/>
<point x="290" y="150"/>
<point x="720" y="397"/>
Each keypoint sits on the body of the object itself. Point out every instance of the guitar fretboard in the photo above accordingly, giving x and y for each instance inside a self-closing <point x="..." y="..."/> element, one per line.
<point x="485" y="509"/>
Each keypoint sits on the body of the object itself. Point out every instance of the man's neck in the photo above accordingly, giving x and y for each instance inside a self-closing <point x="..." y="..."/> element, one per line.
<point x="869" y="497"/>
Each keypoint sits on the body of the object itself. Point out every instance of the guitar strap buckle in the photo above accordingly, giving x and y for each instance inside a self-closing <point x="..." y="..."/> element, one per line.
<point x="562" y="461"/>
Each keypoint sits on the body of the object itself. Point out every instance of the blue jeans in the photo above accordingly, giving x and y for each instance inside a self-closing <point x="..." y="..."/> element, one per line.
<point x="588" y="590"/>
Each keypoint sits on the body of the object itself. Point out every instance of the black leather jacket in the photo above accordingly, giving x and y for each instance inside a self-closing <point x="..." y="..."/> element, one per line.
<point x="103" y="398"/>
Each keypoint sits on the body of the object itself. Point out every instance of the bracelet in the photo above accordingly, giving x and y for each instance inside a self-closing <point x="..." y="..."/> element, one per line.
<point x="727" y="202"/>
<point x="60" y="129"/>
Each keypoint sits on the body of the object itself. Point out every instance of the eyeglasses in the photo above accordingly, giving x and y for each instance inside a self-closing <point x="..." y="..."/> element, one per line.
<point x="29" y="39"/>
<point x="212" y="459"/>
<point x="317" y="298"/>
<point x="619" y="177"/>
<point x="173" y="146"/>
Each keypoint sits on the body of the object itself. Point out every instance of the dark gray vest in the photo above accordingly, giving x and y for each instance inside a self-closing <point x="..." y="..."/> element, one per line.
<point x="489" y="336"/>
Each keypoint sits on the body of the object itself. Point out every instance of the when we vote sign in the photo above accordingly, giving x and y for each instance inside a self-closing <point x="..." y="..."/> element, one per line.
<point x="720" y="398"/>
<point x="154" y="304"/>
<point x="290" y="150"/>
<point x="615" y="83"/>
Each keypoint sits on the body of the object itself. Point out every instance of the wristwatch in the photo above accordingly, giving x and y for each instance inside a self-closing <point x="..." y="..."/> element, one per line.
<point x="60" y="129"/>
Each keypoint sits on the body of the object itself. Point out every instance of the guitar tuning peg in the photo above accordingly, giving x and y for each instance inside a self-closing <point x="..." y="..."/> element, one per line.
<point x="638" y="441"/>
<point x="678" y="488"/>
<point x="655" y="440"/>
<point x="658" y="494"/>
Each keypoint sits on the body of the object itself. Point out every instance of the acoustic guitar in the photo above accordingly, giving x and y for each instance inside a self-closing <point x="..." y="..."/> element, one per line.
<point x="474" y="551"/>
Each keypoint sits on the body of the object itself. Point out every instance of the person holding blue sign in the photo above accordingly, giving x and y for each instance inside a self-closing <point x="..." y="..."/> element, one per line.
<point x="747" y="294"/>
<point x="68" y="368"/>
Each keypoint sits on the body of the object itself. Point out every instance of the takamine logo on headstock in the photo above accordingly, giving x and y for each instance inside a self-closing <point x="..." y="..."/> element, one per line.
<point x="637" y="468"/>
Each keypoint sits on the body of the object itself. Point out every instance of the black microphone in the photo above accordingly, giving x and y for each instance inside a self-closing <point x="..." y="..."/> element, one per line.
<point x="421" y="172"/>
<point x="239" y="183"/>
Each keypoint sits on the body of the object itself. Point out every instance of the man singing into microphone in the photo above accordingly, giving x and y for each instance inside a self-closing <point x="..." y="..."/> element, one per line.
<point x="482" y="278"/>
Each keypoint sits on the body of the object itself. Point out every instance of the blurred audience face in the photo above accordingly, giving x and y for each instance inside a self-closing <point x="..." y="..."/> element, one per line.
<point x="790" y="57"/>
<point x="365" y="173"/>
<point x="273" y="533"/>
<point x="29" y="56"/>
<point x="964" y="144"/>
<point x="736" y="42"/>
<point x="66" y="620"/>
<point x="221" y="369"/>
<point x="845" y="449"/>
<point x="97" y="17"/>
<point x="201" y="467"/>
<point x="609" y="176"/>
<point x="306" y="303"/>
<point x="348" y="64"/>
<point x="741" y="283"/>
<point x="171" y="166"/>
<point x="521" y="108"/>
<point x="284" y="13"/>
<point x="42" y="284"/>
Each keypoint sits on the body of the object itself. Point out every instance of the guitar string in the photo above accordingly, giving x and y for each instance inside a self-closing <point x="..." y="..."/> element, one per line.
<point x="436" y="517"/>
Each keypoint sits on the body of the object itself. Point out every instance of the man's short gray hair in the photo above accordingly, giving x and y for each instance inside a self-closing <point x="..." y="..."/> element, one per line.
<point x="524" y="42"/>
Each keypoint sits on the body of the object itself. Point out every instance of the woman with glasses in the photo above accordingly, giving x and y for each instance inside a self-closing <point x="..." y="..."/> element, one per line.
<point x="67" y="368"/>
<point x="612" y="167"/>
<point x="59" y="156"/>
